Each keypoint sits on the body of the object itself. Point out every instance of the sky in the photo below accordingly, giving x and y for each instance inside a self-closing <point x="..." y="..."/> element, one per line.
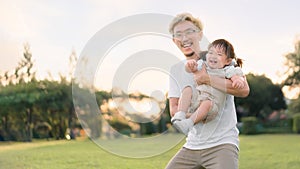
<point x="262" y="32"/>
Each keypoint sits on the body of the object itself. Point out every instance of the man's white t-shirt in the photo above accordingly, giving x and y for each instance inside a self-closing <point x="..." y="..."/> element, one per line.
<point x="219" y="131"/>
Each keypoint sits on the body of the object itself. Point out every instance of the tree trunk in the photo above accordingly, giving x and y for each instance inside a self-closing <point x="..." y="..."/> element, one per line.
<point x="29" y="125"/>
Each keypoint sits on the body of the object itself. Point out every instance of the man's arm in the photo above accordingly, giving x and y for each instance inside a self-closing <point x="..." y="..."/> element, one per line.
<point x="173" y="104"/>
<point x="225" y="85"/>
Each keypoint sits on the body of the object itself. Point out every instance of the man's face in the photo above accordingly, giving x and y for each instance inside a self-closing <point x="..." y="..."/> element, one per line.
<point x="187" y="36"/>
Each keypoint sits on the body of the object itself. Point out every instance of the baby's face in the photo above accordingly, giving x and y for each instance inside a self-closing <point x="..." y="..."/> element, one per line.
<point x="216" y="58"/>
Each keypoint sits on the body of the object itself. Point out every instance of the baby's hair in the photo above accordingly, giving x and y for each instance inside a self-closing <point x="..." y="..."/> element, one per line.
<point x="228" y="50"/>
<point x="239" y="62"/>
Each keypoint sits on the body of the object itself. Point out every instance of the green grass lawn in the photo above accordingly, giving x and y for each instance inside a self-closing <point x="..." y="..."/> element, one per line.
<point x="256" y="152"/>
<point x="270" y="152"/>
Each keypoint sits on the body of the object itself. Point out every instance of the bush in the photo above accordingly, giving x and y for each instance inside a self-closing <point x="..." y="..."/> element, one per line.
<point x="278" y="126"/>
<point x="249" y="125"/>
<point x="42" y="130"/>
<point x="126" y="132"/>
<point x="296" y="123"/>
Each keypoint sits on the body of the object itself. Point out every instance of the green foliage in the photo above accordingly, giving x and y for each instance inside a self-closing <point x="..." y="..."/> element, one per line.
<point x="293" y="66"/>
<point x="25" y="105"/>
<point x="279" y="126"/>
<point x="277" y="101"/>
<point x="23" y="73"/>
<point x="292" y="62"/>
<point x="294" y="106"/>
<point x="296" y="123"/>
<point x="249" y="125"/>
<point x="264" y="95"/>
<point x="102" y="96"/>
<point x="147" y="128"/>
<point x="26" y="102"/>
<point x="119" y="126"/>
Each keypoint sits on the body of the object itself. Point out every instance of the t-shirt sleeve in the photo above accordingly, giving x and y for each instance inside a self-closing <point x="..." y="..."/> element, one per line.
<point x="231" y="70"/>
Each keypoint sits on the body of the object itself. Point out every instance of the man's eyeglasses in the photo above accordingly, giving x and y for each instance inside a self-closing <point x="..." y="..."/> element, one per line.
<point x="187" y="33"/>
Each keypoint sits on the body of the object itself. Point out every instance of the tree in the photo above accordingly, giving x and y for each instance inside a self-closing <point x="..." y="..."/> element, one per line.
<point x="264" y="97"/>
<point x="25" y="71"/>
<point x="26" y="102"/>
<point x="22" y="96"/>
<point x="277" y="101"/>
<point x="18" y="103"/>
<point x="293" y="67"/>
<point x="294" y="106"/>
<point x="292" y="62"/>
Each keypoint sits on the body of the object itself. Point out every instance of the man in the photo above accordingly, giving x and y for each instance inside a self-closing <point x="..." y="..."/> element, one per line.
<point x="213" y="145"/>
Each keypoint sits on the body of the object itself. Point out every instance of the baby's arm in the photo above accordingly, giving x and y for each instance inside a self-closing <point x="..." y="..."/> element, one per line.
<point x="191" y="66"/>
<point x="235" y="74"/>
<point x="237" y="81"/>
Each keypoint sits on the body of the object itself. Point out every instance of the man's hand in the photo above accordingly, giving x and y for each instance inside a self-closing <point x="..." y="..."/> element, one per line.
<point x="201" y="76"/>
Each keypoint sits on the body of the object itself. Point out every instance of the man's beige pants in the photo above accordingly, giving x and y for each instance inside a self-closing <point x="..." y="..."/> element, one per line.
<point x="224" y="156"/>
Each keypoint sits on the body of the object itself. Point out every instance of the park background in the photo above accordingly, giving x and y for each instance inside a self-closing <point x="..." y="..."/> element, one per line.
<point x="41" y="43"/>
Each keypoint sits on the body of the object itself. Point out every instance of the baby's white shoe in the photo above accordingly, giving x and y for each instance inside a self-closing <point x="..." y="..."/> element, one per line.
<point x="178" y="116"/>
<point x="184" y="126"/>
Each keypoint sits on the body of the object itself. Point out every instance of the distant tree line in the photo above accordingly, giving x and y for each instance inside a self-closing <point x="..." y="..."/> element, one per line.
<point x="267" y="108"/>
<point x="31" y="108"/>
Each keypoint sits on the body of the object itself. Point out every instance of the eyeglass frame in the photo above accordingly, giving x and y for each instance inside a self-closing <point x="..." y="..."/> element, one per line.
<point x="186" y="33"/>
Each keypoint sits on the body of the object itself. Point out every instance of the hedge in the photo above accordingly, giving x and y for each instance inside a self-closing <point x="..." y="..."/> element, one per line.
<point x="296" y="123"/>
<point x="249" y="125"/>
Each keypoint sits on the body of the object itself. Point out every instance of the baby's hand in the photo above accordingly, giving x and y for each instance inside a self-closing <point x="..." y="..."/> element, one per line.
<point x="237" y="82"/>
<point x="191" y="65"/>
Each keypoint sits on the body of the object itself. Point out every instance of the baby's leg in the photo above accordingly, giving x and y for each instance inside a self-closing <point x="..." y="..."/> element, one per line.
<point x="183" y="104"/>
<point x="200" y="114"/>
<point x="202" y="111"/>
<point x="185" y="99"/>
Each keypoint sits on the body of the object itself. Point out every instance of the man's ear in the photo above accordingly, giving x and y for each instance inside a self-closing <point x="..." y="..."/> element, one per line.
<point x="200" y="35"/>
